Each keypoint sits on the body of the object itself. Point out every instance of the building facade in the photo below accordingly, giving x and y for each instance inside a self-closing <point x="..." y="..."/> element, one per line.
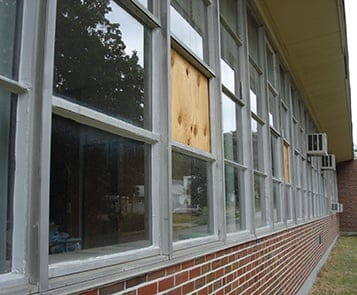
<point x="163" y="146"/>
<point x="347" y="191"/>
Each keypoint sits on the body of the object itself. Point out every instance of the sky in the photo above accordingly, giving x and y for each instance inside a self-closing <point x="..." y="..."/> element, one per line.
<point x="351" y="20"/>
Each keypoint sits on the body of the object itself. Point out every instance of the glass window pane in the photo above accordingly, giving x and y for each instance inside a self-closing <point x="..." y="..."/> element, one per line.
<point x="101" y="61"/>
<point x="253" y="38"/>
<point x="230" y="136"/>
<point x="190" y="197"/>
<point x="276" y="202"/>
<point x="229" y="11"/>
<point x="189" y="24"/>
<point x="288" y="204"/>
<point x="270" y="65"/>
<point x="99" y="201"/>
<point x="228" y="76"/>
<point x="282" y="84"/>
<point x="229" y="62"/>
<point x="8" y="30"/>
<point x="259" y="200"/>
<point x="257" y="139"/>
<point x="273" y="116"/>
<point x="234" y="218"/>
<point x="255" y="99"/>
<point x="285" y="122"/>
<point x="274" y="156"/>
<point x="7" y="115"/>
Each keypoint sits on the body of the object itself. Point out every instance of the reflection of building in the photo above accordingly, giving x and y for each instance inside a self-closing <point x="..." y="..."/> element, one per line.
<point x="131" y="161"/>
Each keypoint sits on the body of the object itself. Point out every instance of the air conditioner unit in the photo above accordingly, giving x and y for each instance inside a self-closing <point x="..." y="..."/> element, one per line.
<point x="317" y="144"/>
<point x="334" y="207"/>
<point x="328" y="162"/>
<point x="340" y="208"/>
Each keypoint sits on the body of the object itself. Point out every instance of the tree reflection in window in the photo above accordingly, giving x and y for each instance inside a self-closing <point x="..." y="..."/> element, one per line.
<point x="100" y="56"/>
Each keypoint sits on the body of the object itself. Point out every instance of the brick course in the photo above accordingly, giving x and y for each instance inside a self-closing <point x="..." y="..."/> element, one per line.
<point x="275" y="264"/>
<point x="347" y="194"/>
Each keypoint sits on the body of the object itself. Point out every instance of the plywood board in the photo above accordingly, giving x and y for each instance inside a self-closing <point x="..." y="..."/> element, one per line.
<point x="190" y="119"/>
<point x="286" y="163"/>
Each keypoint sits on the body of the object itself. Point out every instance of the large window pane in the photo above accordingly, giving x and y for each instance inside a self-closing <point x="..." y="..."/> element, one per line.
<point x="229" y="62"/>
<point x="99" y="199"/>
<point x="190" y="197"/>
<point x="255" y="98"/>
<point x="253" y="38"/>
<point x="273" y="111"/>
<point x="229" y="11"/>
<point x="234" y="218"/>
<point x="189" y="24"/>
<point x="259" y="200"/>
<point x="101" y="59"/>
<point x="8" y="30"/>
<point x="274" y="156"/>
<point x="257" y="138"/>
<point x="270" y="66"/>
<point x="7" y="113"/>
<point x="288" y="203"/>
<point x="276" y="202"/>
<point x="230" y="139"/>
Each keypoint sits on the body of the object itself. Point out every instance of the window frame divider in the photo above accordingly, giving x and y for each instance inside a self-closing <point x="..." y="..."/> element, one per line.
<point x="93" y="118"/>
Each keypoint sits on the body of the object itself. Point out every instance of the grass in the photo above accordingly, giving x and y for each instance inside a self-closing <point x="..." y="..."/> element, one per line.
<point x="339" y="275"/>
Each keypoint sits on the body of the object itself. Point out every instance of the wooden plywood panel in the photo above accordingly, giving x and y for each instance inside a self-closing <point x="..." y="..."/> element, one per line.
<point x="286" y="163"/>
<point x="190" y="104"/>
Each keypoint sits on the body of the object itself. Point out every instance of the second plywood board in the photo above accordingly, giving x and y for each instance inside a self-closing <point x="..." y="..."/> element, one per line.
<point x="190" y="112"/>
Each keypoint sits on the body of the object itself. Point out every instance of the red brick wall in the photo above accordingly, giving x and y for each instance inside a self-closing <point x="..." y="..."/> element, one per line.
<point x="276" y="264"/>
<point x="347" y="194"/>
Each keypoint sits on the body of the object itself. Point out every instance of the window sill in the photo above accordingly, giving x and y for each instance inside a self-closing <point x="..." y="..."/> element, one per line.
<point x="12" y="283"/>
<point x="79" y="265"/>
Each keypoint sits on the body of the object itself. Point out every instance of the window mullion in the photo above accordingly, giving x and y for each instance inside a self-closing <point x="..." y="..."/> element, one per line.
<point x="41" y="143"/>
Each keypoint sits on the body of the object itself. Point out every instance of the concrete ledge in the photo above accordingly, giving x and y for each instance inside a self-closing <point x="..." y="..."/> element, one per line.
<point x="306" y="287"/>
<point x="349" y="233"/>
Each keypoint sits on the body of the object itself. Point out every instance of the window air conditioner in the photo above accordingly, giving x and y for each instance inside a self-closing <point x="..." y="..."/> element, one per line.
<point x="328" y="162"/>
<point x="334" y="207"/>
<point x="340" y="208"/>
<point x="317" y="144"/>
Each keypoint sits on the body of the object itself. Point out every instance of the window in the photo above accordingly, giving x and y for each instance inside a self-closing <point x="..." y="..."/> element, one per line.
<point x="100" y="198"/>
<point x="189" y="25"/>
<point x="88" y="54"/>
<point x="99" y="191"/>
<point x="274" y="156"/>
<point x="273" y="111"/>
<point x="230" y="129"/>
<point x="255" y="91"/>
<point x="7" y="128"/>
<point x="190" y="197"/>
<point x="270" y="65"/>
<point x="229" y="63"/>
<point x="9" y="30"/>
<point x="285" y="122"/>
<point x="233" y="173"/>
<point x="231" y="118"/>
<point x="253" y="38"/>
<point x="259" y="200"/>
<point x="277" y="214"/>
<point x="259" y="176"/>
<point x="229" y="11"/>
<point x="282" y="85"/>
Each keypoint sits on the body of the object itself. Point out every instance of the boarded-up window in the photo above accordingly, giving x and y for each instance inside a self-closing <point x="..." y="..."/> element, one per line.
<point x="286" y="163"/>
<point x="190" y="104"/>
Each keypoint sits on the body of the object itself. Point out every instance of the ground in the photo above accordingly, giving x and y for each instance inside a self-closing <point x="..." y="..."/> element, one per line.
<point x="339" y="275"/>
